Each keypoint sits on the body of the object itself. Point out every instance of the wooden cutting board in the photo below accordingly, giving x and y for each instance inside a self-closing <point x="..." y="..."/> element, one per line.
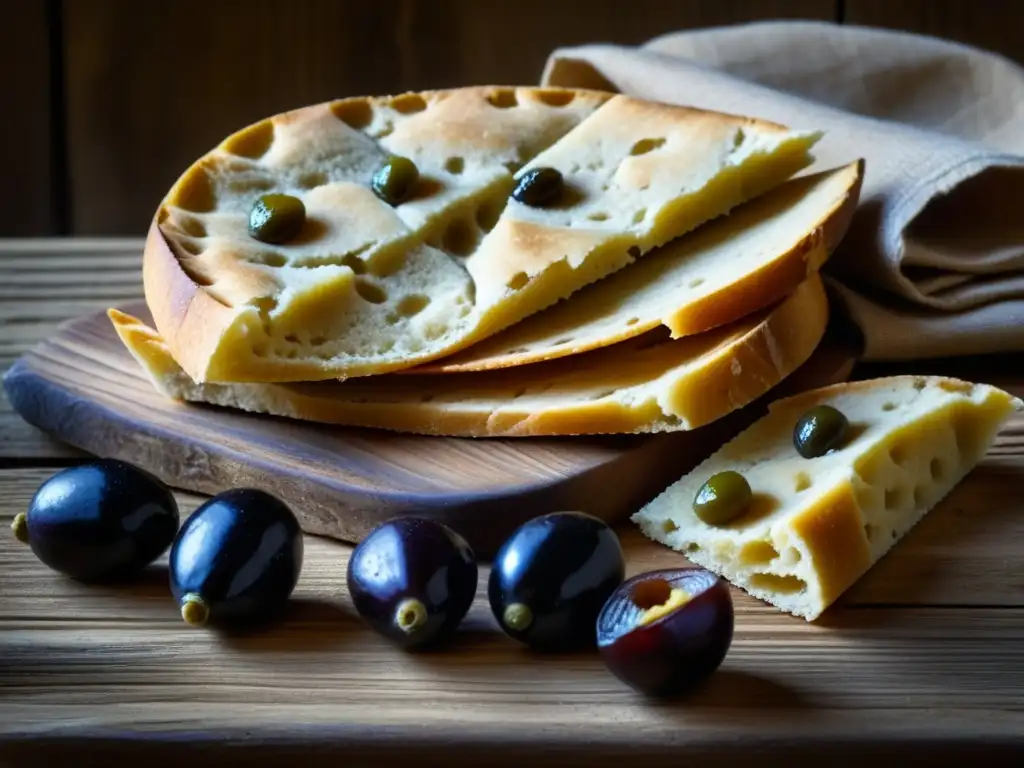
<point x="84" y="388"/>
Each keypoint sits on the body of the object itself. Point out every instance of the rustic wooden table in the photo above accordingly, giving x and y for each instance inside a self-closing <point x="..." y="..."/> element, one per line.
<point x="924" y="658"/>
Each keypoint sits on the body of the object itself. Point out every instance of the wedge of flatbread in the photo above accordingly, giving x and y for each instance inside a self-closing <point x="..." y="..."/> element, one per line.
<point x="719" y="273"/>
<point x="648" y="384"/>
<point x="367" y="287"/>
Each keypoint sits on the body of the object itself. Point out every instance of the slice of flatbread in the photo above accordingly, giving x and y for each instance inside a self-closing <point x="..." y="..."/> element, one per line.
<point x="648" y="384"/>
<point x="721" y="272"/>
<point x="367" y="288"/>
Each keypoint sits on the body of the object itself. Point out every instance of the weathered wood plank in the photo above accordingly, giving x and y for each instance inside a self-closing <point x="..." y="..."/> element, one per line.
<point x="81" y="661"/>
<point x="26" y="196"/>
<point x="187" y="69"/>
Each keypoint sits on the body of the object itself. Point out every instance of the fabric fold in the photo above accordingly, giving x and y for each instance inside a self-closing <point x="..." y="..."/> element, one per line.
<point x="933" y="264"/>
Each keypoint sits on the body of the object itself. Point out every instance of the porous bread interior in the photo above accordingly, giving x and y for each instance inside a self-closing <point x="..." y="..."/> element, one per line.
<point x="714" y="275"/>
<point x="816" y="525"/>
<point x="649" y="384"/>
<point x="366" y="288"/>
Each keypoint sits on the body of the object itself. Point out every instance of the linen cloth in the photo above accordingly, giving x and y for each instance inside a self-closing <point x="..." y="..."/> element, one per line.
<point x="933" y="263"/>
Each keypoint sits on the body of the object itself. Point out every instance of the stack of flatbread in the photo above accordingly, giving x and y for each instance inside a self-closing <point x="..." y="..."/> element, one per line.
<point x="671" y="279"/>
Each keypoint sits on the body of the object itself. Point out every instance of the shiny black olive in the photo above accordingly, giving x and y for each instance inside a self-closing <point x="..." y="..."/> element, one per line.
<point x="105" y="520"/>
<point x="551" y="577"/>
<point x="820" y="430"/>
<point x="723" y="498"/>
<point x="412" y="580"/>
<point x="663" y="632"/>
<point x="276" y="218"/>
<point x="394" y="180"/>
<point x="538" y="187"/>
<point x="236" y="559"/>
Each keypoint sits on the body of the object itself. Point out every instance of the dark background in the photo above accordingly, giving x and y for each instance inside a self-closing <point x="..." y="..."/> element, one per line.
<point x="105" y="102"/>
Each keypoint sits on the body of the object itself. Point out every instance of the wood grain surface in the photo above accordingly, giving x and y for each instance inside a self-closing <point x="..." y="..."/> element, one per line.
<point x="921" y="661"/>
<point x="82" y="386"/>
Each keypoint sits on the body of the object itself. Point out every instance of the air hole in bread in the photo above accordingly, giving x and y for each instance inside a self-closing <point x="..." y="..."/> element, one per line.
<point x="243" y="186"/>
<point x="386" y="262"/>
<point x="512" y="166"/>
<point x="193" y="227"/>
<point x="454" y="165"/>
<point x="780" y="585"/>
<point x="259" y="350"/>
<point x="487" y="215"/>
<point x="920" y="384"/>
<point x="691" y="547"/>
<point x="639" y="216"/>
<point x="252" y="142"/>
<point x="413" y="304"/>
<point x="195" y="192"/>
<point x="518" y="351"/>
<point x="190" y="246"/>
<point x="633" y="321"/>
<point x="408" y="103"/>
<point x="355" y="113"/>
<point x="644" y="146"/>
<point x="738" y="138"/>
<point x="603" y="395"/>
<point x="595" y="165"/>
<point x="894" y="498"/>
<point x="697" y="282"/>
<point x="268" y="259"/>
<point x="599" y="216"/>
<point x="669" y="526"/>
<point x="869" y="533"/>
<point x="434" y="331"/>
<point x="312" y="179"/>
<point x="518" y="280"/>
<point x="756" y="553"/>
<point x="801" y="482"/>
<point x="385" y="130"/>
<point x="370" y="292"/>
<point x="318" y="341"/>
<point x="562" y="341"/>
<point x="889" y="407"/>
<point x="291" y="354"/>
<point x="292" y="338"/>
<point x="898" y="454"/>
<point x="936" y="469"/>
<point x="634" y="251"/>
<point x="459" y="238"/>
<point x="519" y="393"/>
<point x="791" y="556"/>
<point x="555" y="98"/>
<point x="503" y="99"/>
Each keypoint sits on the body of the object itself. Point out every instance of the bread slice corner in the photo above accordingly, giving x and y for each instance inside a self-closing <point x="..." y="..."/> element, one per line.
<point x="815" y="526"/>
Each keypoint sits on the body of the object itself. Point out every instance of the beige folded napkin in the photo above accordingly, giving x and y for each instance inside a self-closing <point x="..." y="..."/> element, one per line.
<point x="933" y="264"/>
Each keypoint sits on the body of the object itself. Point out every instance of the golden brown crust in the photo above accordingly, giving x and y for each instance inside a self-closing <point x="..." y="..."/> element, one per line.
<point x="652" y="384"/>
<point x="190" y="320"/>
<point x="632" y="301"/>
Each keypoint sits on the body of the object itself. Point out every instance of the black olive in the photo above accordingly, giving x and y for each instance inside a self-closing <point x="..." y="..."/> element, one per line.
<point x="820" y="430"/>
<point x="551" y="577"/>
<point x="276" y="218"/>
<point x="101" y="521"/>
<point x="236" y="559"/>
<point x="394" y="180"/>
<point x="663" y="632"/>
<point x="412" y="580"/>
<point x="538" y="187"/>
<point x="723" y="498"/>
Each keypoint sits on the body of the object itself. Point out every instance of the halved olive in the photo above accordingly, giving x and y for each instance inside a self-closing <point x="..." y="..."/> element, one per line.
<point x="820" y="430"/>
<point x="724" y="497"/>
<point x="276" y="218"/>
<point x="538" y="187"/>
<point x="393" y="182"/>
